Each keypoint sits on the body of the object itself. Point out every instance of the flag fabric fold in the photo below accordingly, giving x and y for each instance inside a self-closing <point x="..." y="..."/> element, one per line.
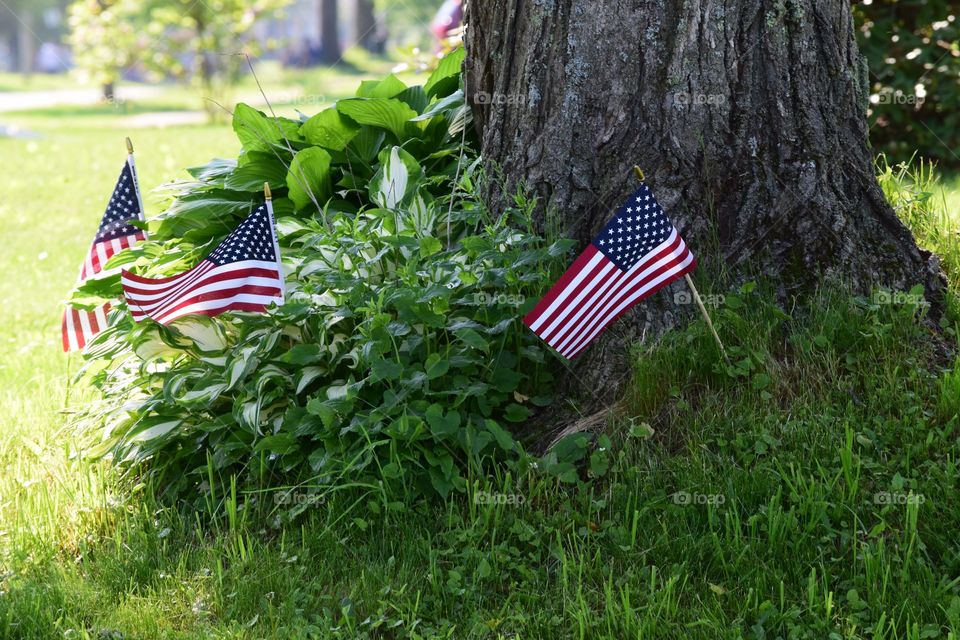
<point x="114" y="234"/>
<point x="243" y="273"/>
<point x="635" y="255"/>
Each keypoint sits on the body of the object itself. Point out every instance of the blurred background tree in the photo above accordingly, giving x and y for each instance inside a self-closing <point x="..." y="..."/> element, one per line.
<point x="198" y="42"/>
<point x="913" y="51"/>
<point x="104" y="35"/>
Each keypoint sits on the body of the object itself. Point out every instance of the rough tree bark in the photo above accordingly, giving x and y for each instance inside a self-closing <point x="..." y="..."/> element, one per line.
<point x="748" y="117"/>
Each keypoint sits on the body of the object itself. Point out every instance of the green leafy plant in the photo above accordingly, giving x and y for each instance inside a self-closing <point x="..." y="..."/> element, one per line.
<point x="398" y="360"/>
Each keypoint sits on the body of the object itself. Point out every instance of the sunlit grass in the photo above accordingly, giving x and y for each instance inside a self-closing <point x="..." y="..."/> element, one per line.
<point x="836" y="406"/>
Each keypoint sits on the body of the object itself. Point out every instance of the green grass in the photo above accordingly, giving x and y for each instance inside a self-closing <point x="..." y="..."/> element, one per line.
<point x="36" y="82"/>
<point x="811" y="492"/>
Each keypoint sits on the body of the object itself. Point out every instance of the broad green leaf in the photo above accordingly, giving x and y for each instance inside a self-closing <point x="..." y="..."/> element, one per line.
<point x="308" y="375"/>
<point x="256" y="168"/>
<point x="329" y="129"/>
<point x="309" y="175"/>
<point x="207" y="335"/>
<point x="389" y="87"/>
<point x="446" y="77"/>
<point x="153" y="428"/>
<point x="258" y="132"/>
<point x="389" y="114"/>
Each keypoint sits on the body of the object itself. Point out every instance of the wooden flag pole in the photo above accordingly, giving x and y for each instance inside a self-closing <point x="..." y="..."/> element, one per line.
<point x="706" y="316"/>
<point x="696" y="294"/>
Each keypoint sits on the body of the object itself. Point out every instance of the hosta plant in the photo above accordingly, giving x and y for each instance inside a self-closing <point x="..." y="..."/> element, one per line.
<point x="398" y="362"/>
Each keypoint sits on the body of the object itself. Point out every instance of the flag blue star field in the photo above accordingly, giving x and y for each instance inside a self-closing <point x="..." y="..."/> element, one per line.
<point x="114" y="234"/>
<point x="243" y="273"/>
<point x="636" y="254"/>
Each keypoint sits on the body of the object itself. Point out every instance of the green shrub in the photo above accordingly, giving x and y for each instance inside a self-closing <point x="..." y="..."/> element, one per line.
<point x="399" y="358"/>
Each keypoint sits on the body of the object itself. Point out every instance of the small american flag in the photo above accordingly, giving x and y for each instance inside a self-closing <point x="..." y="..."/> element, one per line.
<point x="636" y="254"/>
<point x="115" y="234"/>
<point x="242" y="274"/>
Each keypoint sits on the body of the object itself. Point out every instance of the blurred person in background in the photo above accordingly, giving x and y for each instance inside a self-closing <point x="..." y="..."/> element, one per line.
<point x="448" y="19"/>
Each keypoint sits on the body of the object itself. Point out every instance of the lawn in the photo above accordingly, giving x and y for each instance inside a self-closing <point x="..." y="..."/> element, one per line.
<point x="809" y="492"/>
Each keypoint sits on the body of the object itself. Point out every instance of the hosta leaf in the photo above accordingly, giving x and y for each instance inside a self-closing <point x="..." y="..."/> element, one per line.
<point x="257" y="167"/>
<point x="258" y="132"/>
<point x="397" y="178"/>
<point x="329" y="129"/>
<point x="152" y="428"/>
<point x="309" y="177"/>
<point x="389" y="87"/>
<point x="207" y="335"/>
<point x="446" y="77"/>
<point x="389" y="114"/>
<point x="308" y="375"/>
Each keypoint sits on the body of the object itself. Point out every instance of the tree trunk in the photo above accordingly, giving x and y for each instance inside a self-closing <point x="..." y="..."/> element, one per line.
<point x="329" y="32"/>
<point x="368" y="35"/>
<point x="26" y="43"/>
<point x="748" y="117"/>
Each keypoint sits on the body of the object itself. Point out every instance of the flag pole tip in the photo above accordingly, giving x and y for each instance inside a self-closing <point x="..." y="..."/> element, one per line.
<point x="266" y="191"/>
<point x="637" y="171"/>
<point x="129" y="146"/>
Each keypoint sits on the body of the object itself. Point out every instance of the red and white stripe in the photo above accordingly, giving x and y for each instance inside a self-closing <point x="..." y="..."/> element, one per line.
<point x="78" y="326"/>
<point x="208" y="289"/>
<point x="594" y="292"/>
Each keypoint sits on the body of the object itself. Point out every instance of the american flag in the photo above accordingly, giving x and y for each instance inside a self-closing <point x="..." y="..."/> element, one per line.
<point x="242" y="274"/>
<point x="637" y="253"/>
<point x="114" y="235"/>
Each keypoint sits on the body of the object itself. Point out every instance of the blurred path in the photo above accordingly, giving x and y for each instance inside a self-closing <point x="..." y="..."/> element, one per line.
<point x="23" y="100"/>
